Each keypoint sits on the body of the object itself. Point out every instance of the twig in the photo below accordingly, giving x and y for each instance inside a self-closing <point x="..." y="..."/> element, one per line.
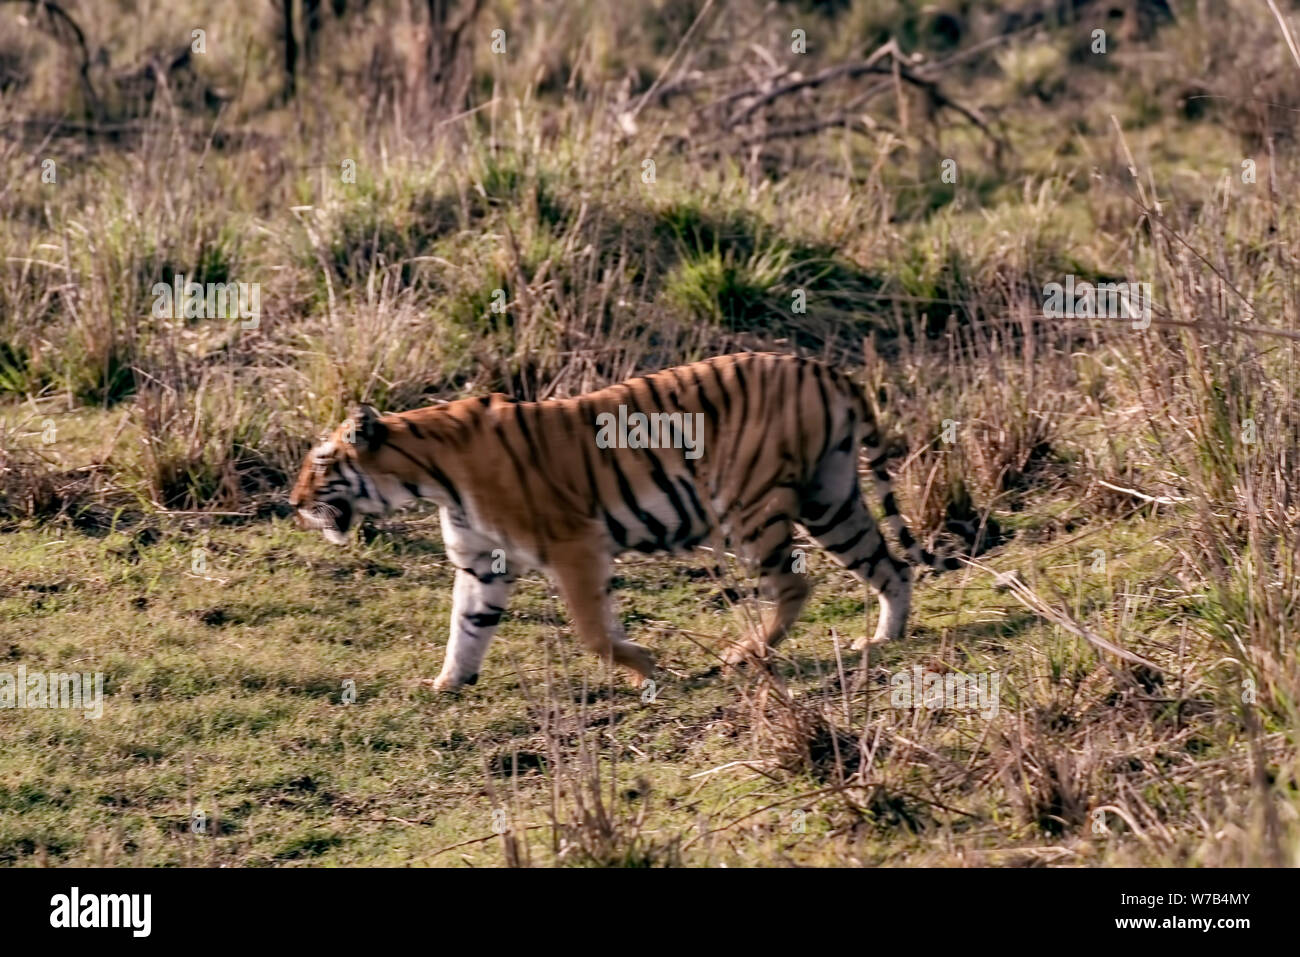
<point x="1035" y="603"/>
<point x="897" y="69"/>
<point x="1158" y="499"/>
<point x="722" y="767"/>
<point x="671" y="60"/>
<point x="480" y="840"/>
<point x="1286" y="32"/>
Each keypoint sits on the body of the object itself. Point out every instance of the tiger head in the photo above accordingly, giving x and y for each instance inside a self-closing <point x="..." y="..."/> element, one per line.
<point x="341" y="477"/>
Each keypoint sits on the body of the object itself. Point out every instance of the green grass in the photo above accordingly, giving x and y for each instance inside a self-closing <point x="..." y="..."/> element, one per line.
<point x="225" y="695"/>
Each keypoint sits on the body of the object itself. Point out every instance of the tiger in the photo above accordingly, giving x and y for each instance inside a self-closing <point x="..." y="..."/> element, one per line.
<point x="735" y="450"/>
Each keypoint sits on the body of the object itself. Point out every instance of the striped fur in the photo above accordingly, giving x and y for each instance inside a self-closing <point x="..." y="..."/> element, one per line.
<point x="529" y="484"/>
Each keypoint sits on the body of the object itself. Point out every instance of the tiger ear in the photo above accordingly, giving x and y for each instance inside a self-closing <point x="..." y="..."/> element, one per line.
<point x="364" y="429"/>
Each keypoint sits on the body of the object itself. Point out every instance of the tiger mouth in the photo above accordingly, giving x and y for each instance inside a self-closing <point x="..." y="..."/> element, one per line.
<point x="332" y="518"/>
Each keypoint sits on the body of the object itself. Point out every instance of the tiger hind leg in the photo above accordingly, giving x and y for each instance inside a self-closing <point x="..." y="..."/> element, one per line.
<point x="853" y="539"/>
<point x="582" y="573"/>
<point x="781" y="580"/>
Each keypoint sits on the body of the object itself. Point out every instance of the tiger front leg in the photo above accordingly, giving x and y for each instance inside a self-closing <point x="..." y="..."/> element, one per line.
<point x="478" y="601"/>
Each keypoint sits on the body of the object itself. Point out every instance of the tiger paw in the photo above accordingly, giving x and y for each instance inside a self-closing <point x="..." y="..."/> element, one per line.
<point x="638" y="662"/>
<point x="863" y="643"/>
<point x="449" y="682"/>
<point x="742" y="653"/>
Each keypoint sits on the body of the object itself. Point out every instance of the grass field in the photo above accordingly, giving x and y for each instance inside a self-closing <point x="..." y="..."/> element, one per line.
<point x="226" y="691"/>
<point x="428" y="218"/>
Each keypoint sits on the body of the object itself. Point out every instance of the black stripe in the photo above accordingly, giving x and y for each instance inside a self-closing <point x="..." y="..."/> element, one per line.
<point x="539" y="462"/>
<point x="660" y="477"/>
<point x="813" y="510"/>
<point x="487" y="578"/>
<point x="778" y="555"/>
<point x="616" y="530"/>
<point x="722" y="391"/>
<point x="740" y="423"/>
<point x="434" y="472"/>
<point x="364" y="481"/>
<point x="817" y="531"/>
<point x="521" y="418"/>
<point x="852" y="540"/>
<point x="795" y="401"/>
<point x="587" y="418"/>
<point x="710" y="410"/>
<point x="764" y="396"/>
<point x="655" y="527"/>
<point x="689" y="488"/>
<point x="875" y="558"/>
<point x="484" y="619"/>
<point x="539" y="539"/>
<point x="675" y="396"/>
<point x="826" y="411"/>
